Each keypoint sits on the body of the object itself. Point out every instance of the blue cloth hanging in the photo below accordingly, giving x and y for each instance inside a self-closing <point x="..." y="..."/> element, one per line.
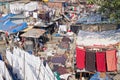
<point x="0" y="57"/>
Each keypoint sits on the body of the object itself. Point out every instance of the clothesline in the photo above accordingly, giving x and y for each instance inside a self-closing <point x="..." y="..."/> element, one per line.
<point x="112" y="46"/>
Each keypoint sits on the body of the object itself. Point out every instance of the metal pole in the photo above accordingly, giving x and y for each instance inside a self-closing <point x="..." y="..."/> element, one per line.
<point x="35" y="39"/>
<point x="4" y="70"/>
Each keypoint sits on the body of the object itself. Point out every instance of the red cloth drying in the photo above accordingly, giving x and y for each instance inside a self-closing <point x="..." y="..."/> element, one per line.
<point x="101" y="61"/>
<point x="80" y="58"/>
<point x="111" y="60"/>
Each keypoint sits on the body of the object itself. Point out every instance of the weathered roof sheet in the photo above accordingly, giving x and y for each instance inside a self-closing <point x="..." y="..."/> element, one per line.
<point x="33" y="33"/>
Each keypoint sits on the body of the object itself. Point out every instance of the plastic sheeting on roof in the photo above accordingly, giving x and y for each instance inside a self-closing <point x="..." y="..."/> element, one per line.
<point x="98" y="38"/>
<point x="92" y="19"/>
<point x="6" y="0"/>
<point x="18" y="28"/>
<point x="96" y="76"/>
<point x="31" y="6"/>
<point x="7" y="26"/>
<point x="4" y="18"/>
<point x="18" y="9"/>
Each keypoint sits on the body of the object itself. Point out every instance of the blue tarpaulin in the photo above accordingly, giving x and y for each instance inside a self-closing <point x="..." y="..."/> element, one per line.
<point x="18" y="28"/>
<point x="7" y="26"/>
<point x="2" y="19"/>
<point x="92" y="19"/>
<point x="96" y="76"/>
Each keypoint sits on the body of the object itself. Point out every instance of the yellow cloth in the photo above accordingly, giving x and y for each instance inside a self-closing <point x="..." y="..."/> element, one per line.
<point x="45" y="0"/>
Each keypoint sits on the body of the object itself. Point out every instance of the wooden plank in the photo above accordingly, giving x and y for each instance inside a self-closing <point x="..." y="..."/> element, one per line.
<point x="28" y="28"/>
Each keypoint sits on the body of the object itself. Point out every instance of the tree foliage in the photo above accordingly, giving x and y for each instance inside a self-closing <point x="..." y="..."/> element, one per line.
<point x="110" y="8"/>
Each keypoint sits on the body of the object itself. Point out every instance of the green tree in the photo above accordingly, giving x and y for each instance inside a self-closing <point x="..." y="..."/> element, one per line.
<point x="110" y="8"/>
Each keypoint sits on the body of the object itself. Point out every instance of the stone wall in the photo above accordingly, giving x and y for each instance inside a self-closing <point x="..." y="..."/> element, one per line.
<point x="98" y="27"/>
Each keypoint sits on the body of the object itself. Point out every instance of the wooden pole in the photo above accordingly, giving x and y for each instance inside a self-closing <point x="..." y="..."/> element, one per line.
<point x="24" y="66"/>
